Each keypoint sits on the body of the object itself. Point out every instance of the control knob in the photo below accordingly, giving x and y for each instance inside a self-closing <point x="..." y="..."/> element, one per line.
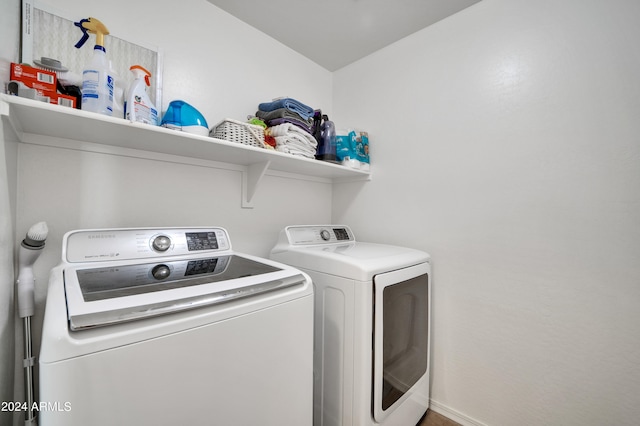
<point x="325" y="235"/>
<point x="161" y="243"/>
<point x="160" y="272"/>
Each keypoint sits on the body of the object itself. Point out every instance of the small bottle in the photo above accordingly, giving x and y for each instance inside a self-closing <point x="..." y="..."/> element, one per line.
<point x="137" y="105"/>
<point x="327" y="143"/>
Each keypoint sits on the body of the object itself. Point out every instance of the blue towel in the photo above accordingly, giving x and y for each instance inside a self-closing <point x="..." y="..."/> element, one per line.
<point x="306" y="112"/>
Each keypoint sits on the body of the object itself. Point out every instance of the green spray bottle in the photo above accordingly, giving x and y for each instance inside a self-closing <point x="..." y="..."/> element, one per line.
<point x="97" y="81"/>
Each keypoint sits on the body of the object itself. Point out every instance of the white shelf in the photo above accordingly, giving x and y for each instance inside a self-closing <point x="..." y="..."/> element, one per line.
<point x="29" y="117"/>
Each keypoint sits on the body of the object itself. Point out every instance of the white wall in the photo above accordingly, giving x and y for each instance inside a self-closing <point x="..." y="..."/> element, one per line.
<point x="9" y="52"/>
<point x="223" y="67"/>
<point x="505" y="141"/>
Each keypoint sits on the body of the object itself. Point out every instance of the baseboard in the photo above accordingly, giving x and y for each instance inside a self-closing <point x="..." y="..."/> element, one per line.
<point x="452" y="414"/>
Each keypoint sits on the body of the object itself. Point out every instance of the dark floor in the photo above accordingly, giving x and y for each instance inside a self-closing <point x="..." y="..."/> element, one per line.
<point x="434" y="419"/>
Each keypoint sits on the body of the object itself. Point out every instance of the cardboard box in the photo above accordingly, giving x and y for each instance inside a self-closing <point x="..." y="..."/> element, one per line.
<point x="33" y="77"/>
<point x="43" y="81"/>
<point x="59" y="99"/>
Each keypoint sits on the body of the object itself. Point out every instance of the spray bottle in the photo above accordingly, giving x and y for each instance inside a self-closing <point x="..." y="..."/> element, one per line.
<point x="97" y="80"/>
<point x="137" y="105"/>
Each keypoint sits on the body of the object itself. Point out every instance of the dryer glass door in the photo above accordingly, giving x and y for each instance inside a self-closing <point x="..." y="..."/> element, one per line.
<point x="401" y="336"/>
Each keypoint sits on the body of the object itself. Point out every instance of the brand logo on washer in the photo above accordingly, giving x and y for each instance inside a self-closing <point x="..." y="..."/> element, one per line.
<point x="100" y="236"/>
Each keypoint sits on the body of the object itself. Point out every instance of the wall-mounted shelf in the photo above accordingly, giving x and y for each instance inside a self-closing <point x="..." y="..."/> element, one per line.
<point x="29" y="117"/>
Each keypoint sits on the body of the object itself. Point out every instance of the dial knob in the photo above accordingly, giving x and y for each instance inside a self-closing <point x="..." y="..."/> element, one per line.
<point x="161" y="243"/>
<point x="160" y="272"/>
<point x="325" y="235"/>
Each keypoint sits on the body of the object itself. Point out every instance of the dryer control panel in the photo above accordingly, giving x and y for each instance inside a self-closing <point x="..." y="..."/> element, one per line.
<point x="142" y="243"/>
<point x="319" y="234"/>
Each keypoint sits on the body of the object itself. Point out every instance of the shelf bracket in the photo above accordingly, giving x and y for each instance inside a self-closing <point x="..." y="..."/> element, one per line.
<point x="251" y="178"/>
<point x="9" y="118"/>
<point x="4" y="108"/>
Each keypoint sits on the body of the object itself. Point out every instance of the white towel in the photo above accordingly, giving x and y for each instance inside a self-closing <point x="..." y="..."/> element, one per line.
<point x="291" y="145"/>
<point x="292" y="139"/>
<point x="294" y="152"/>
<point x="288" y="129"/>
<point x="296" y="141"/>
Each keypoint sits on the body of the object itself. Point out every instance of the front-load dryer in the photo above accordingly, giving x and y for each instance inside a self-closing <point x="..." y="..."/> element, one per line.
<point x="371" y="325"/>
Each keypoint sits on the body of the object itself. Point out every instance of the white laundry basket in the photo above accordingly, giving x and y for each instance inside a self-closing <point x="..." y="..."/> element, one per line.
<point x="239" y="132"/>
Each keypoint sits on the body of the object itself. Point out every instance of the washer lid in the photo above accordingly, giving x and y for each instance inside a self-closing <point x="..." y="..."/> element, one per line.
<point x="108" y="293"/>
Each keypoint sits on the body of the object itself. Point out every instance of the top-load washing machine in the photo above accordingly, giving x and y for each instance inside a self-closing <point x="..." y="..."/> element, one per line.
<point x="372" y="325"/>
<point x="169" y="327"/>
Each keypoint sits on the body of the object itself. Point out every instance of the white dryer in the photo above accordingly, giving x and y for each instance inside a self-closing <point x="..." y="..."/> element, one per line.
<point x="170" y="326"/>
<point x="372" y="325"/>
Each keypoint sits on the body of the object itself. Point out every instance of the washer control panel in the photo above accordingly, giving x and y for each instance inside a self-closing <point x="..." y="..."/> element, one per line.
<point x="140" y="243"/>
<point x="319" y="234"/>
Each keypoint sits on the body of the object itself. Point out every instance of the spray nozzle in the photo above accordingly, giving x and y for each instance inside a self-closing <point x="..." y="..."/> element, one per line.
<point x="93" y="26"/>
<point x="139" y="72"/>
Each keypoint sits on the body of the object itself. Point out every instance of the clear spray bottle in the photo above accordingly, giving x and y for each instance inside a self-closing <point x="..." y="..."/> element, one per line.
<point x="97" y="81"/>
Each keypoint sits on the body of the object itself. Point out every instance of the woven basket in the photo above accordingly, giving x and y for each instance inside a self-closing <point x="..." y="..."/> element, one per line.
<point x="239" y="132"/>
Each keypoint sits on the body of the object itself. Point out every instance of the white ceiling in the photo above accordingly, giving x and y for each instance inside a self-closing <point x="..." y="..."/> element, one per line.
<point x="335" y="33"/>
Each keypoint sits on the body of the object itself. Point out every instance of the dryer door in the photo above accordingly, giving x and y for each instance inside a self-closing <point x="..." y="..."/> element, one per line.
<point x="401" y="336"/>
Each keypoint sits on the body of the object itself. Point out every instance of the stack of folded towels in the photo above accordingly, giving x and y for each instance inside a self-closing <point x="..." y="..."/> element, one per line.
<point x="289" y="123"/>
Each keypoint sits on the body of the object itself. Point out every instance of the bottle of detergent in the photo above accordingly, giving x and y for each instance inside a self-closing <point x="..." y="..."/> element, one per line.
<point x="137" y="104"/>
<point x="327" y="145"/>
<point x="97" y="80"/>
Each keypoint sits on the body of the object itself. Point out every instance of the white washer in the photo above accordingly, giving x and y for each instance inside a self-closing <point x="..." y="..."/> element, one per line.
<point x="372" y="325"/>
<point x="170" y="326"/>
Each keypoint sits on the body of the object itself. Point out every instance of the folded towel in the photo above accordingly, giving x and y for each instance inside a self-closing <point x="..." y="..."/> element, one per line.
<point x="288" y="129"/>
<point x="294" y="141"/>
<point x="291" y="139"/>
<point x="283" y="113"/>
<point x="290" y="152"/>
<point x="293" y="121"/>
<point x="288" y="145"/>
<point x="305" y="111"/>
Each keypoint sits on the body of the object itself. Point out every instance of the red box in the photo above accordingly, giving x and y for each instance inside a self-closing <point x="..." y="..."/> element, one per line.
<point x="58" y="98"/>
<point x="43" y="81"/>
<point x="33" y="77"/>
